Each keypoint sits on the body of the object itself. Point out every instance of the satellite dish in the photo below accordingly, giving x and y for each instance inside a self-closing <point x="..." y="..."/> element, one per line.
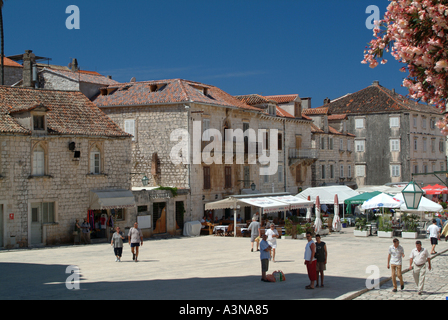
<point x="133" y="79"/>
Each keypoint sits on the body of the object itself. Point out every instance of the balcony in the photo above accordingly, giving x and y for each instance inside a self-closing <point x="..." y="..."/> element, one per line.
<point x="298" y="155"/>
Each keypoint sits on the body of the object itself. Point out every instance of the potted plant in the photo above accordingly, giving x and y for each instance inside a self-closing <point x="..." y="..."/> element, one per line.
<point x="344" y="223"/>
<point x="288" y="229"/>
<point x="361" y="229"/>
<point x="384" y="228"/>
<point x="410" y="225"/>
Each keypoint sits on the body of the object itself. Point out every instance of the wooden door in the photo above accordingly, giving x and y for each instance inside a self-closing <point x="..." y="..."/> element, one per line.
<point x="36" y="223"/>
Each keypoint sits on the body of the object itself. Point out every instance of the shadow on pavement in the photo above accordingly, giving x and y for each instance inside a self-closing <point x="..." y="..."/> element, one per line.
<point x="37" y="281"/>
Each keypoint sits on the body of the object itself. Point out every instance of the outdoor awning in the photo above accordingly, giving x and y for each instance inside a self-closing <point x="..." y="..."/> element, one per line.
<point x="295" y="202"/>
<point x="267" y="203"/>
<point x="110" y="199"/>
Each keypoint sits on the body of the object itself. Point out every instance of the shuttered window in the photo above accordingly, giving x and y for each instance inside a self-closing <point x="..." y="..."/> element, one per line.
<point x="207" y="184"/>
<point x="95" y="161"/>
<point x="38" y="161"/>
<point x="228" y="177"/>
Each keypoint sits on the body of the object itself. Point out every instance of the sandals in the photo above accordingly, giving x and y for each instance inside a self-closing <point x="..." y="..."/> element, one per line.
<point x="308" y="287"/>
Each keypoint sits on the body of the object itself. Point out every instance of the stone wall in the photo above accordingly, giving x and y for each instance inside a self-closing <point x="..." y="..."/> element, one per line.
<point x="67" y="182"/>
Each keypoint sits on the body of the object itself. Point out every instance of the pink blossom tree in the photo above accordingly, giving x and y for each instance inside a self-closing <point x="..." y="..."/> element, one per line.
<point x="416" y="34"/>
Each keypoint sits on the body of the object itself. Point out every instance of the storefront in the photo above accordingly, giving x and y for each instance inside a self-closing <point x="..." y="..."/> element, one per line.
<point x="107" y="208"/>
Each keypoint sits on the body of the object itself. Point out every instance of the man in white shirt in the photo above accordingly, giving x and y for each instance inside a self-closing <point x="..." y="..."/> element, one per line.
<point x="418" y="258"/>
<point x="394" y="259"/>
<point x="434" y="234"/>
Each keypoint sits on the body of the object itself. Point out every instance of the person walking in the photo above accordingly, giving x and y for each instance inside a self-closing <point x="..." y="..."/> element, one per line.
<point x="434" y="235"/>
<point x="418" y="258"/>
<point x="310" y="260"/>
<point x="117" y="243"/>
<point x="135" y="239"/>
<point x="321" y="260"/>
<point x="254" y="228"/>
<point x="394" y="260"/>
<point x="265" y="255"/>
<point x="445" y="230"/>
<point x="272" y="234"/>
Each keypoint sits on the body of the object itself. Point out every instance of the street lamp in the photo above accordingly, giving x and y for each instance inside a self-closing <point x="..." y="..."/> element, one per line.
<point x="145" y="181"/>
<point x="412" y="195"/>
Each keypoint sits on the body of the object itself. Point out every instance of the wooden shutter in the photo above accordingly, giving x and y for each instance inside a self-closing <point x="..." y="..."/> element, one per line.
<point x="207" y="184"/>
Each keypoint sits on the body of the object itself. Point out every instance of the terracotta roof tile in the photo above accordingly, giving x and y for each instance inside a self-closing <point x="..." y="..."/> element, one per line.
<point x="283" y="98"/>
<point x="69" y="112"/>
<point x="372" y="99"/>
<point x="167" y="91"/>
<point x="83" y="76"/>
<point x="10" y="63"/>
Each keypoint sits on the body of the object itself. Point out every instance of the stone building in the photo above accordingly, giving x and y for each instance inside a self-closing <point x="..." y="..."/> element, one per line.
<point x="13" y="71"/>
<point x="161" y="114"/>
<point x="61" y="158"/>
<point x="395" y="136"/>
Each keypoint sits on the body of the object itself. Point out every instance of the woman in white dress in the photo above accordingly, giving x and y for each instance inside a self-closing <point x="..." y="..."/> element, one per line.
<point x="272" y="234"/>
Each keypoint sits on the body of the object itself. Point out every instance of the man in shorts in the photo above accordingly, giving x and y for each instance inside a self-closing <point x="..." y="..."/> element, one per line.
<point x="434" y="235"/>
<point x="321" y="257"/>
<point x="254" y="229"/>
<point x="135" y="240"/>
<point x="265" y="255"/>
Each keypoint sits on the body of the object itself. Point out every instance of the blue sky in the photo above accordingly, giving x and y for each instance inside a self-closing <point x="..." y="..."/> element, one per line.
<point x="313" y="48"/>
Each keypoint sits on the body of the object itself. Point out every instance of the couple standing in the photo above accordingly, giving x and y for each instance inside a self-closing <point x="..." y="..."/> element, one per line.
<point x="315" y="260"/>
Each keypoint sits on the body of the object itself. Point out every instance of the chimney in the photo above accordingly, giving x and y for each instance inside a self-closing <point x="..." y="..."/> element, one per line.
<point x="324" y="123"/>
<point x="326" y="101"/>
<point x="376" y="83"/>
<point x="298" y="107"/>
<point x="75" y="65"/>
<point x="29" y="59"/>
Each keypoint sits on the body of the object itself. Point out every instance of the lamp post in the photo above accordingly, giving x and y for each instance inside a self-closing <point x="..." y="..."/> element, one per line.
<point x="145" y="181"/>
<point x="412" y="195"/>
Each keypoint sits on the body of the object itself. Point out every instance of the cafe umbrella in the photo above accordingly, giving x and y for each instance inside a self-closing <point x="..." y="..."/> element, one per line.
<point x="318" y="221"/>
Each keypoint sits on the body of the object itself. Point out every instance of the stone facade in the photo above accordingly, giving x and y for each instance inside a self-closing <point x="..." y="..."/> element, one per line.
<point x="55" y="149"/>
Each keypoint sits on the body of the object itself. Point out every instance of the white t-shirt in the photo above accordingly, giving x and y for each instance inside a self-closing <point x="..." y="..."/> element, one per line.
<point x="433" y="231"/>
<point x="272" y="241"/>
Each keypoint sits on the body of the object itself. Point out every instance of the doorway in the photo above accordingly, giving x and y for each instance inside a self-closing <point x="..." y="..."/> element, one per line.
<point x="159" y="217"/>
<point x="36" y="223"/>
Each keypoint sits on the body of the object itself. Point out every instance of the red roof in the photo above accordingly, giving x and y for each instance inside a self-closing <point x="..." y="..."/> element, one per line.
<point x="10" y="63"/>
<point x="68" y="112"/>
<point x="285" y="98"/>
<point x="166" y="91"/>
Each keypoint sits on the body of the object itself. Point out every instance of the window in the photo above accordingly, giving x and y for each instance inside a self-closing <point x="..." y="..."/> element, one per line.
<point x="395" y="170"/>
<point x="129" y="127"/>
<point x="361" y="171"/>
<point x="38" y="122"/>
<point x="359" y="123"/>
<point x="205" y="129"/>
<point x="360" y="145"/>
<point x="394" y="145"/>
<point x="394" y="122"/>
<point x="266" y="140"/>
<point x="322" y="143"/>
<point x="432" y="123"/>
<point x="266" y="178"/>
<point x="442" y="167"/>
<point x="330" y="143"/>
<point x="415" y="144"/>
<point x="207" y="184"/>
<point x="441" y="143"/>
<point x="341" y="144"/>
<point x="331" y="171"/>
<point x="415" y="168"/>
<point x="38" y="161"/>
<point x="228" y="177"/>
<point x="425" y="168"/>
<point x="349" y="145"/>
<point x="95" y="161"/>
<point x="280" y="142"/>
<point x="349" y="171"/>
<point x="341" y="172"/>
<point x="323" y="171"/>
<point x="47" y="210"/>
<point x="415" y="122"/>
<point x="433" y="145"/>
<point x="424" y="144"/>
<point x="424" y="123"/>
<point x="280" y="173"/>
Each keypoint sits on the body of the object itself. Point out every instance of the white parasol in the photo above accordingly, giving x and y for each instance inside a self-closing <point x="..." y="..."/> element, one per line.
<point x="318" y="221"/>
<point x="336" y="220"/>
